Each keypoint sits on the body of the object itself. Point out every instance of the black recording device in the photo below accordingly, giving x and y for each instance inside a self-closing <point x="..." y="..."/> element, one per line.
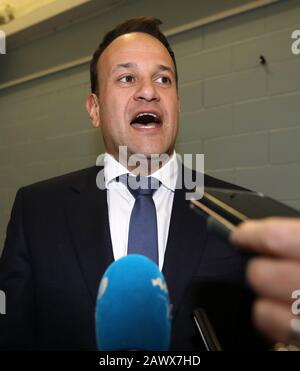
<point x="226" y="208"/>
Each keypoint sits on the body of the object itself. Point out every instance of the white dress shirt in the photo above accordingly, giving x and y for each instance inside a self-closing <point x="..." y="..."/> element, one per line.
<point x="120" y="204"/>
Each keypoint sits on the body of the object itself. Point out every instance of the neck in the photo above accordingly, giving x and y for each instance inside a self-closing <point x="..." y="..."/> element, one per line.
<point x="144" y="165"/>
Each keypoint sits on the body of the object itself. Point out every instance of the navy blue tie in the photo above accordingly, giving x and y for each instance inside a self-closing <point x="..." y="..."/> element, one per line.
<point x="142" y="236"/>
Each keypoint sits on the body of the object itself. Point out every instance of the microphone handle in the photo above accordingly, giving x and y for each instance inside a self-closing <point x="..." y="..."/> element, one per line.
<point x="206" y="330"/>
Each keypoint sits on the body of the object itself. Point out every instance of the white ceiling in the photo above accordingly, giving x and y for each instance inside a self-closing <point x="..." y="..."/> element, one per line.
<point x="23" y="7"/>
<point x="33" y="19"/>
<point x="27" y="13"/>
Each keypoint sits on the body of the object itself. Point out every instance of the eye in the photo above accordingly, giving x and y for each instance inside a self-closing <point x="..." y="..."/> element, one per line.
<point x="127" y="79"/>
<point x="164" y="80"/>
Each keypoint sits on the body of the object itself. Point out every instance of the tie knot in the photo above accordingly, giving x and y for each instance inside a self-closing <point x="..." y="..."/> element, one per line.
<point x="140" y="185"/>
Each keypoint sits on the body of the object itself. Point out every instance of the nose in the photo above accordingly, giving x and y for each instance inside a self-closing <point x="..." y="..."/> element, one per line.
<point x="147" y="91"/>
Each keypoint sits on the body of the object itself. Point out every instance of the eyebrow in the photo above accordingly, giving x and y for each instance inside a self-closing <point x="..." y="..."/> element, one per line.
<point x="124" y="65"/>
<point x="161" y="67"/>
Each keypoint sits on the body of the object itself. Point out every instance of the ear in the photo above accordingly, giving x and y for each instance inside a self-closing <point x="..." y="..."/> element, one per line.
<point x="93" y="109"/>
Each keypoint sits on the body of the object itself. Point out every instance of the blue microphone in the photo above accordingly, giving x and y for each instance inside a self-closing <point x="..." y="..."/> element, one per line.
<point x="133" y="307"/>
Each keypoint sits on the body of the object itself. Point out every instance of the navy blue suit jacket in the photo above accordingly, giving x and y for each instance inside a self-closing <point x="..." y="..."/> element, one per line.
<point x="58" y="246"/>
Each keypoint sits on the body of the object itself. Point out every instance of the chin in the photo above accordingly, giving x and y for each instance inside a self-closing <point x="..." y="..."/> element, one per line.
<point x="151" y="149"/>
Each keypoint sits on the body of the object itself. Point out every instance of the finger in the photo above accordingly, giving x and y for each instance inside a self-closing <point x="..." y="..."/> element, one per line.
<point x="271" y="236"/>
<point x="276" y="321"/>
<point x="274" y="279"/>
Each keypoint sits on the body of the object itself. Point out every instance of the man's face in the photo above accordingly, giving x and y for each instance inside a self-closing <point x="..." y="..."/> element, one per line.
<point x="138" y="101"/>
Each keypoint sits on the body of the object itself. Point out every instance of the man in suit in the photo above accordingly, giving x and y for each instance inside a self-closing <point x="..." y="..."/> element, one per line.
<point x="64" y="232"/>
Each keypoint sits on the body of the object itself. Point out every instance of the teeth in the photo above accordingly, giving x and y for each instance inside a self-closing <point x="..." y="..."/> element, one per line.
<point x="147" y="113"/>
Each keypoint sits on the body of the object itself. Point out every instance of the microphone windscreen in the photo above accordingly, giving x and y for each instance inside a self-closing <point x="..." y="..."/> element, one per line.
<point x="133" y="307"/>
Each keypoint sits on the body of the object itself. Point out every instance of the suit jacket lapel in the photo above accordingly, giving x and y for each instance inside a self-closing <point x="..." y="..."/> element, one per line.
<point x="186" y="242"/>
<point x="87" y="218"/>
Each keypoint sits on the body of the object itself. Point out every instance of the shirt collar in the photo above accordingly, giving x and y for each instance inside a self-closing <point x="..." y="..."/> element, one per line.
<point x="112" y="169"/>
<point x="167" y="174"/>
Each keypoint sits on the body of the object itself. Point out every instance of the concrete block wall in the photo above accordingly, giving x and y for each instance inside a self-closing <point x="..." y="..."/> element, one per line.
<point x="243" y="116"/>
<point x="44" y="132"/>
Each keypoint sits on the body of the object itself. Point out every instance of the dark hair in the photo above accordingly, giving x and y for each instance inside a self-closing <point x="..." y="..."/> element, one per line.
<point x="149" y="25"/>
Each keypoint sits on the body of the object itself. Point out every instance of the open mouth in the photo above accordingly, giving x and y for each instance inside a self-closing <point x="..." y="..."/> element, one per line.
<point x="146" y="120"/>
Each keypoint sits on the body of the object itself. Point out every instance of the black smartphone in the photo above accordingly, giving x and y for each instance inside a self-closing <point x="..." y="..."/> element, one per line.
<point x="226" y="208"/>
